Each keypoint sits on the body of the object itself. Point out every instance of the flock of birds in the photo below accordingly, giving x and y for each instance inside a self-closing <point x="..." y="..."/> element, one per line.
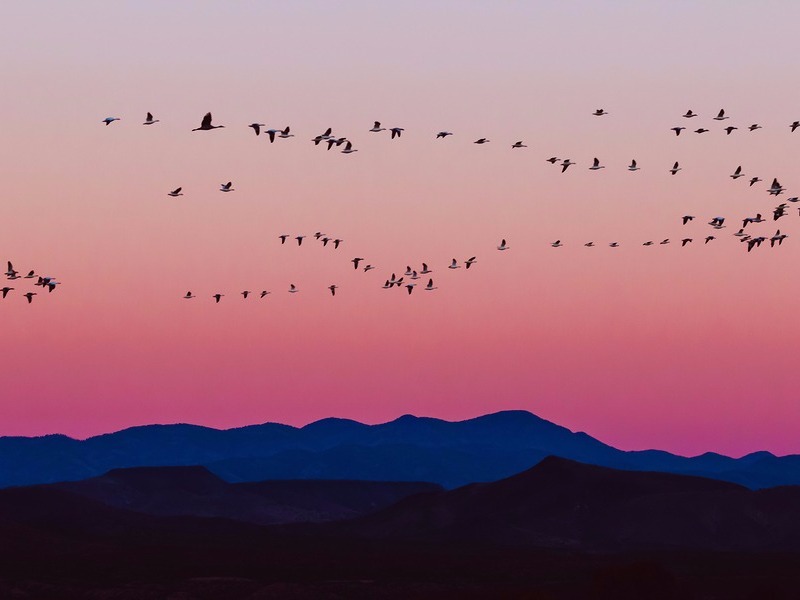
<point x="408" y="279"/>
<point x="12" y="274"/>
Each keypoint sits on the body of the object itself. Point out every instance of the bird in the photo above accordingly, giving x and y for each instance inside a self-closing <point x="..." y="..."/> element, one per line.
<point x="355" y="262"/>
<point x="245" y="294"/>
<point x="454" y="265"/>
<point x="414" y="275"/>
<point x="632" y="166"/>
<point x="754" y="180"/>
<point x="318" y="235"/>
<point x="110" y="120"/>
<point x="5" y="290"/>
<point x="740" y="233"/>
<point x="11" y="272"/>
<point x="175" y="193"/>
<point x="793" y="199"/>
<point x="566" y="164"/>
<point x="552" y="160"/>
<point x="32" y="275"/>
<point x="368" y="268"/>
<point x="754" y="126"/>
<point x="685" y="241"/>
<point x="687" y="218"/>
<point x="664" y="242"/>
<point x="348" y="149"/>
<point x="149" y="120"/>
<point x="614" y="245"/>
<point x="689" y="114"/>
<point x="756" y="219"/>
<point x="377" y="127"/>
<point x="336" y="243"/>
<point x="503" y="245"/>
<point x="283" y="238"/>
<point x="217" y="297"/>
<point x="285" y="133"/>
<point x="776" y="188"/>
<point x="387" y="285"/>
<point x="599" y="112"/>
<point x="257" y="127"/>
<point x="648" y="243"/>
<point x="325" y="241"/>
<point x="332" y="288"/>
<point x="596" y="165"/>
<point x="30" y="296"/>
<point x="443" y="134"/>
<point x="396" y="131"/>
<point x="721" y="115"/>
<point x="336" y="142"/>
<point x="206" y="125"/>
<point x="300" y="239"/>
<point x="737" y="173"/>
<point x="410" y="287"/>
<point x="425" y="270"/>
<point x="326" y="135"/>
<point x="589" y="244"/>
<point x="795" y="125"/>
<point x="709" y="238"/>
<point x="778" y="237"/>
<point x="779" y="211"/>
<point x="263" y="293"/>
<point x="430" y="287"/>
<point x="675" y="168"/>
<point x="293" y="289"/>
<point x="408" y="271"/>
<point x="701" y="130"/>
<point x="678" y="130"/>
<point x="226" y="187"/>
<point x="557" y="244"/>
<point x="469" y="262"/>
<point x="273" y="132"/>
<point x="730" y="129"/>
<point x="717" y="222"/>
<point x="518" y="145"/>
<point x="481" y="141"/>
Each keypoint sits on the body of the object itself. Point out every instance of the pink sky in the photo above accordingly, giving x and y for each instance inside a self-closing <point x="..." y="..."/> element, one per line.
<point x="687" y="349"/>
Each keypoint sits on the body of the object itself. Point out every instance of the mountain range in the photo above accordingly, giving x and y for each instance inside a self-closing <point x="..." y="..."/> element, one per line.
<point x="410" y="448"/>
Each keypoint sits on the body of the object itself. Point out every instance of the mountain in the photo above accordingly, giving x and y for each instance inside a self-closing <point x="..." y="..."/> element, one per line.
<point x="409" y="448"/>
<point x="196" y="492"/>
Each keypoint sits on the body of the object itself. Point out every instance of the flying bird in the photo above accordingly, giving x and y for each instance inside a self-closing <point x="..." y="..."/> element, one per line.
<point x="188" y="296"/>
<point x="468" y="263"/>
<point x="300" y="239"/>
<point x="721" y="115"/>
<point x="566" y="164"/>
<point x="30" y="296"/>
<point x="377" y="127"/>
<point x="5" y="290"/>
<point x="599" y="112"/>
<point x="283" y="238"/>
<point x="443" y="134"/>
<point x="355" y="262"/>
<point x="754" y="180"/>
<point x="264" y="293"/>
<point x="110" y="120"/>
<point x="293" y="289"/>
<point x="217" y="297"/>
<point x="730" y="129"/>
<point x="701" y="130"/>
<point x="675" y="168"/>
<point x="410" y="287"/>
<point x="689" y="114"/>
<point x="552" y="160"/>
<point x="596" y="165"/>
<point x="285" y="133"/>
<point x="481" y="141"/>
<point x="332" y="288"/>
<point x="754" y="126"/>
<point x="737" y="173"/>
<point x="454" y="265"/>
<point x="396" y="131"/>
<point x="206" y="124"/>
<point x="776" y="188"/>
<point x="632" y="166"/>
<point x="430" y="287"/>
<point x="678" y="130"/>
<point x="226" y="187"/>
<point x="175" y="193"/>
<point x="687" y="218"/>
<point x="348" y="149"/>
<point x="245" y="294"/>
<point x="709" y="238"/>
<point x="557" y="244"/>
<point x="518" y="145"/>
<point x="149" y="120"/>
<point x="685" y="241"/>
<point x="503" y="245"/>
<point x="795" y="125"/>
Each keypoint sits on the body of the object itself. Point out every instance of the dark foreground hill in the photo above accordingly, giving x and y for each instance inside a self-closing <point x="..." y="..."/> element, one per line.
<point x="559" y="530"/>
<point x="410" y="448"/>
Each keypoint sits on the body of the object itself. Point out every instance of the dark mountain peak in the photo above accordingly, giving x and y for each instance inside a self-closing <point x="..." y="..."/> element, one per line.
<point x="333" y="424"/>
<point x="189" y="478"/>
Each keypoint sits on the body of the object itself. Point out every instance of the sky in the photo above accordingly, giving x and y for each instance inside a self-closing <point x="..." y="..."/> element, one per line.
<point x="684" y="349"/>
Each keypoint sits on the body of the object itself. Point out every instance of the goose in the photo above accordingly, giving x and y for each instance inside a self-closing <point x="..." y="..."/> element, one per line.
<point x="721" y="115"/>
<point x="336" y="243"/>
<point x="708" y="239"/>
<point x="737" y="173"/>
<point x="518" y="145"/>
<point x="614" y="245"/>
<point x="332" y="288"/>
<point x="414" y="275"/>
<point x="188" y="296"/>
<point x="175" y="193"/>
<point x="327" y="134"/>
<point x="30" y="296"/>
<point x="336" y="142"/>
<point x="245" y="294"/>
<point x="566" y="164"/>
<point x="5" y="290"/>
<point x="285" y="133"/>
<point x="408" y="271"/>
<point x="149" y="120"/>
<point x="717" y="222"/>
<point x="740" y="233"/>
<point x="778" y="237"/>
<point x="481" y="141"/>
<point x="325" y="241"/>
<point x="284" y="237"/>
<point x="552" y="160"/>
<point x="776" y="188"/>
<point x="51" y="286"/>
<point x="12" y="277"/>
<point x="425" y="270"/>
<point x="701" y="130"/>
<point x="318" y="235"/>
<point x="396" y="131"/>
<point x="470" y="261"/>
<point x="264" y="293"/>
<point x="596" y="165"/>
<point x="410" y="287"/>
<point x="754" y="181"/>
<point x="779" y="211"/>
<point x="599" y="112"/>
<point x="430" y="287"/>
<point x="795" y="125"/>
<point x="632" y="166"/>
<point x="454" y="265"/>
<point x="793" y="199"/>
<point x="217" y="297"/>
<point x="272" y="133"/>
<point x="678" y="130"/>
<point x="348" y="149"/>
<point x="377" y="127"/>
<point x="32" y="275"/>
<point x="503" y="245"/>
<point x="226" y="187"/>
<point x="257" y="127"/>
<point x="755" y="242"/>
<point x="443" y="134"/>
<point x="206" y="124"/>
<point x="110" y="120"/>
<point x="687" y="218"/>
<point x="664" y="242"/>
<point x="368" y="268"/>
<point x="293" y="289"/>
<point x="730" y="129"/>
<point x="689" y="114"/>
<point x="10" y="272"/>
<point x="557" y="244"/>
<point x="675" y="168"/>
<point x="756" y="219"/>
<point x="754" y="126"/>
<point x="387" y="285"/>
<point x="355" y="262"/>
<point x="648" y="243"/>
<point x="300" y="239"/>
<point x="589" y="244"/>
<point x="685" y="241"/>
<point x="399" y="282"/>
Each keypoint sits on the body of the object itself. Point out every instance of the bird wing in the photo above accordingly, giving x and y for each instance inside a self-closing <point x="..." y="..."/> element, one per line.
<point x="206" y="120"/>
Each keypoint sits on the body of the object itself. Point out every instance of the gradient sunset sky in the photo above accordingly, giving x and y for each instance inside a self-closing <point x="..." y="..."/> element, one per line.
<point x="684" y="349"/>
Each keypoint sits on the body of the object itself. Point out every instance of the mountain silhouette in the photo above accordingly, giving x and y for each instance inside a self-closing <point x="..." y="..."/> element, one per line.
<point x="409" y="448"/>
